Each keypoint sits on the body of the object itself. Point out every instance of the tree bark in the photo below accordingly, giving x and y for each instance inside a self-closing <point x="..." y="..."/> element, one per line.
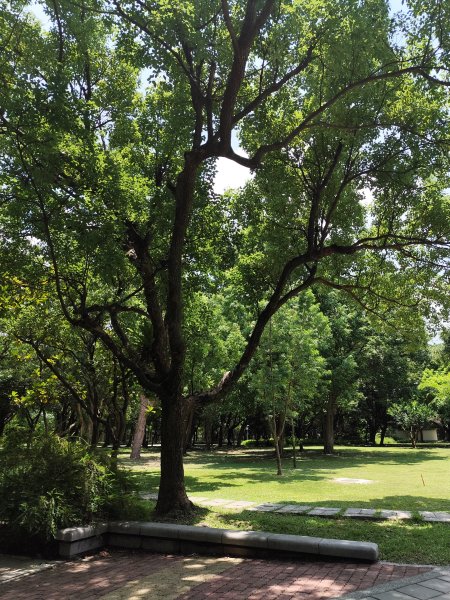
<point x="276" y="444"/>
<point x="172" y="497"/>
<point x="241" y="433"/>
<point x="189" y="410"/>
<point x="139" y="432"/>
<point x="294" y="457"/>
<point x="328" y="430"/>
<point x="383" y="434"/>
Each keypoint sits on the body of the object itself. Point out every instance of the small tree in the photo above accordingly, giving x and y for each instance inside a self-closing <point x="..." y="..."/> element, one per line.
<point x="412" y="416"/>
<point x="288" y="365"/>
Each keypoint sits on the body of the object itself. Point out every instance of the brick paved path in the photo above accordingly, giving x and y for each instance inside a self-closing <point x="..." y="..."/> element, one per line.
<point x="120" y="575"/>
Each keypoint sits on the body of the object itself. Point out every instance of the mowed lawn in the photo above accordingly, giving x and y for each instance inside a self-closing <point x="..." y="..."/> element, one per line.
<point x="399" y="479"/>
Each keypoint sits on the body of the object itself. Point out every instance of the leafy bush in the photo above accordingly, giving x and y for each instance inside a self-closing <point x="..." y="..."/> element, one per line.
<point x="50" y="482"/>
<point x="257" y="443"/>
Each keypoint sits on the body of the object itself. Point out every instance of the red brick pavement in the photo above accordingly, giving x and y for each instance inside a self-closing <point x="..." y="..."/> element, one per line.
<point x="87" y="578"/>
<point x="251" y="579"/>
<point x="294" y="580"/>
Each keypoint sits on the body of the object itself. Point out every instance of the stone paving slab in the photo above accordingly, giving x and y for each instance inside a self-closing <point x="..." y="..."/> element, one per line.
<point x="417" y="587"/>
<point x="293" y="509"/>
<point x="324" y="511"/>
<point x="150" y="496"/>
<point x="240" y="504"/>
<point x="216" y="502"/>
<point x="436" y="517"/>
<point x="266" y="507"/>
<point x="416" y="590"/>
<point x="441" y="585"/>
<point x="395" y="514"/>
<point x="360" y="513"/>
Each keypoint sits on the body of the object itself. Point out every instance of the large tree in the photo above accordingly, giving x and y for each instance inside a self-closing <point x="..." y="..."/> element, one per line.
<point x="334" y="103"/>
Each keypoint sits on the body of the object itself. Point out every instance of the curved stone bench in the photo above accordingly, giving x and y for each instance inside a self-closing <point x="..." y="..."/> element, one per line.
<point x="176" y="539"/>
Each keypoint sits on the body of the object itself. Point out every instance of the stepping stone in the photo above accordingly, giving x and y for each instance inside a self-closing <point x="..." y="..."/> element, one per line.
<point x="395" y="514"/>
<point x="239" y="504"/>
<point x="360" y="513"/>
<point x="293" y="509"/>
<point x="443" y="517"/>
<point x="435" y="517"/>
<point x="324" y="511"/>
<point x="267" y="507"/>
<point x="153" y="496"/>
<point x="216" y="502"/>
<point x="368" y="512"/>
<point x="198" y="498"/>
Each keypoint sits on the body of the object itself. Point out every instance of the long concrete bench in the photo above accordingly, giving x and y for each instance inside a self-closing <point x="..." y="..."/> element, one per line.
<point x="181" y="539"/>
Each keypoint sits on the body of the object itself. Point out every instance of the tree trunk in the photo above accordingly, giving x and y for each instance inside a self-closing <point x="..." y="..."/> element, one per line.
<point x="189" y="410"/>
<point x="241" y="433"/>
<point x="276" y="444"/>
<point x="139" y="432"/>
<point x="220" y="434"/>
<point x="383" y="434"/>
<point x="294" y="457"/>
<point x="208" y="433"/>
<point x="172" y="497"/>
<point x="328" y="430"/>
<point x="372" y="433"/>
<point x="281" y="421"/>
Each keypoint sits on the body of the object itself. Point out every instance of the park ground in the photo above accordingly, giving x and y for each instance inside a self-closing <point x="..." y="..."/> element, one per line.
<point x="397" y="478"/>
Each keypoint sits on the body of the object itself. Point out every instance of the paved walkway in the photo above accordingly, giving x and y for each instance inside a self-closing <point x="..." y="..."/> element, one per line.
<point x="126" y="575"/>
<point x="318" y="511"/>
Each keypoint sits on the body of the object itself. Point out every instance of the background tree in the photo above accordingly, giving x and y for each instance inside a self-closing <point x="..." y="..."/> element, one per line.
<point x="412" y="416"/>
<point x="288" y="367"/>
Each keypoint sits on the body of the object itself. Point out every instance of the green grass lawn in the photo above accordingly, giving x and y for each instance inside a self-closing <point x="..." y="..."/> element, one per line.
<point x="400" y="479"/>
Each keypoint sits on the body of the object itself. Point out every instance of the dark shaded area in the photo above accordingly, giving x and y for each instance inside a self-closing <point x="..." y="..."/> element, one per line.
<point x="22" y="543"/>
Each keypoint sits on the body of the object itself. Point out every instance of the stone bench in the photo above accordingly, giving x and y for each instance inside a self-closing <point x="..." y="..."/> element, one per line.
<point x="184" y="539"/>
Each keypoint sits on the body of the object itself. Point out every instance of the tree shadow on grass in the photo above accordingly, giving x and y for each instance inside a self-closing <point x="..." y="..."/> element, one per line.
<point x="343" y="458"/>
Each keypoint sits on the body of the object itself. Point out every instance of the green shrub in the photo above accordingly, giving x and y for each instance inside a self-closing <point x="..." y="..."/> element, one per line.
<point x="50" y="482"/>
<point x="258" y="443"/>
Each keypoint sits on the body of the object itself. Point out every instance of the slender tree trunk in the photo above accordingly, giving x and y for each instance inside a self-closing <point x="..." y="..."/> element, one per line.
<point x="95" y="435"/>
<point x="189" y="410"/>
<point x="281" y="421"/>
<point x="220" y="435"/>
<point x="276" y="444"/>
<point x="172" y="497"/>
<point x="328" y="430"/>
<point x="294" y="457"/>
<point x="208" y="433"/>
<point x="383" y="434"/>
<point x="241" y="433"/>
<point x="139" y="432"/>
